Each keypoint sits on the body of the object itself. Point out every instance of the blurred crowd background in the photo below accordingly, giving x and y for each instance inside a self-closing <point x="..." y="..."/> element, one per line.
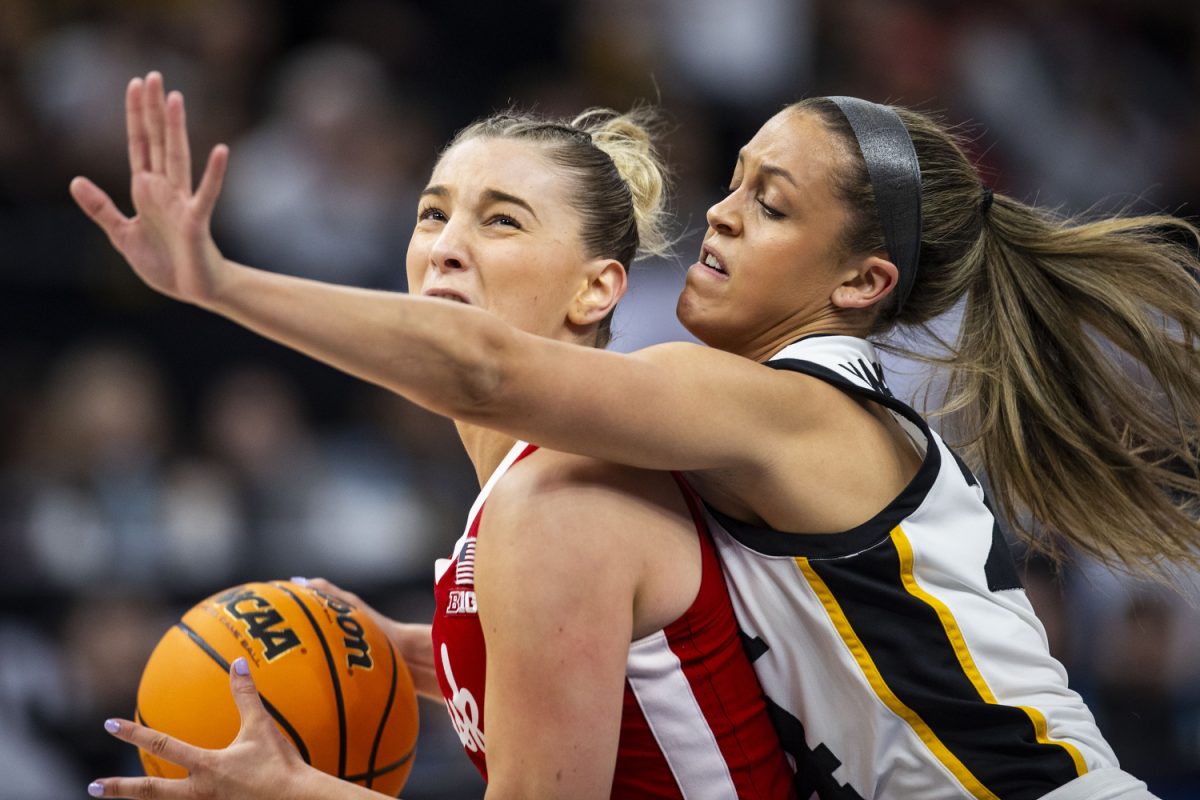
<point x="152" y="454"/>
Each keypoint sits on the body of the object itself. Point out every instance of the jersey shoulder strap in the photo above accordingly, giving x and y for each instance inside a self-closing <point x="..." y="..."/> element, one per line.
<point x="851" y="365"/>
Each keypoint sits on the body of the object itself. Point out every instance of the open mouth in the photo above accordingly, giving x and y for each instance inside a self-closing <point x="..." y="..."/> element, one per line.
<point x="711" y="261"/>
<point x="446" y="294"/>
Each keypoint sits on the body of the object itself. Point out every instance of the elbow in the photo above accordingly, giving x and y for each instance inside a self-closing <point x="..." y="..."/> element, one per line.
<point x="486" y="362"/>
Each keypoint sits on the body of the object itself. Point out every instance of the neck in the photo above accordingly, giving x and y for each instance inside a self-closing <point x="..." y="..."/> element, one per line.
<point x="485" y="447"/>
<point x="771" y="341"/>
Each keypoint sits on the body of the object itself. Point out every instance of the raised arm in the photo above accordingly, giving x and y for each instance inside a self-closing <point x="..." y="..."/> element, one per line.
<point x="644" y="409"/>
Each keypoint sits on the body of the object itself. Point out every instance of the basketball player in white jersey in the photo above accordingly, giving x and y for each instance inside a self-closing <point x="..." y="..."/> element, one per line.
<point x="885" y="618"/>
<point x="584" y="643"/>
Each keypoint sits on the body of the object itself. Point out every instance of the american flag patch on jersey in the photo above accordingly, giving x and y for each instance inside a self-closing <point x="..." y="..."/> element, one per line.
<point x="464" y="570"/>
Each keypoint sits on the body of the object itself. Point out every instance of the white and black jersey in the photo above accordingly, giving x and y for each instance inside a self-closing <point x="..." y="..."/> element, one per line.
<point x="902" y="658"/>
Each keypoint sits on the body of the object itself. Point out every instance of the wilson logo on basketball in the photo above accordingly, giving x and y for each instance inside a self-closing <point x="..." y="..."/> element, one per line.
<point x="261" y="621"/>
<point x="358" y="651"/>
<point x="359" y="725"/>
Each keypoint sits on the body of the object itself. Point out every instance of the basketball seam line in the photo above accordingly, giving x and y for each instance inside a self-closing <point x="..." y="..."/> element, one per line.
<point x="333" y="675"/>
<point x="297" y="739"/>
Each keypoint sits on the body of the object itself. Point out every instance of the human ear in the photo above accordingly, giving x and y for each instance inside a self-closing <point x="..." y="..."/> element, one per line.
<point x="605" y="285"/>
<point x="870" y="281"/>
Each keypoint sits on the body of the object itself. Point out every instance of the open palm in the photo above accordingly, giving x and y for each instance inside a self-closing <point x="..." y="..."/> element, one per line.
<point x="168" y="241"/>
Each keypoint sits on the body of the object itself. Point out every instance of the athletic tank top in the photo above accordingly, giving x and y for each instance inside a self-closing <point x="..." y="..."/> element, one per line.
<point x="694" y="722"/>
<point x="902" y="659"/>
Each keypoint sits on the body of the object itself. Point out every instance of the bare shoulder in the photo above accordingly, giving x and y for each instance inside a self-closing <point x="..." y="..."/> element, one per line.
<point x="567" y="496"/>
<point x="580" y="515"/>
<point x="619" y="537"/>
<point x="547" y="474"/>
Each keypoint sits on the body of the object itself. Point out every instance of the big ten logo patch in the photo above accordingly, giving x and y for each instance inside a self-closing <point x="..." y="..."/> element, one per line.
<point x="358" y="650"/>
<point x="462" y="601"/>
<point x="260" y="620"/>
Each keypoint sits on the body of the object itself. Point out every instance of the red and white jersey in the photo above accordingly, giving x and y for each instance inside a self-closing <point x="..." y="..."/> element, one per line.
<point x="694" y="722"/>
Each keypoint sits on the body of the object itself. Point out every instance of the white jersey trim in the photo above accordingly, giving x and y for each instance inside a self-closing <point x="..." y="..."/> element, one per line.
<point x="662" y="690"/>
<point x="442" y="564"/>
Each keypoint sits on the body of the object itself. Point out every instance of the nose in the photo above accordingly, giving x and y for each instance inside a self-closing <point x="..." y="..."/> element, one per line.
<point x="450" y="250"/>
<point x="723" y="216"/>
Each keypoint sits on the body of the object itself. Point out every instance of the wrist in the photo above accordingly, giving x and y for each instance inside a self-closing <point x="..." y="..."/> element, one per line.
<point x="309" y="782"/>
<point x="221" y="287"/>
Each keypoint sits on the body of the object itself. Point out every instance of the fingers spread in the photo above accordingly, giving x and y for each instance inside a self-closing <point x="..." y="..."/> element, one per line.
<point x="179" y="156"/>
<point x="97" y="205"/>
<point x="214" y="176"/>
<point x="154" y="113"/>
<point x="154" y="742"/>
<point x="135" y="126"/>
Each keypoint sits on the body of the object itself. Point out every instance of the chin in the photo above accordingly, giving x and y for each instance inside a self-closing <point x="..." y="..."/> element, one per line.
<point x="691" y="315"/>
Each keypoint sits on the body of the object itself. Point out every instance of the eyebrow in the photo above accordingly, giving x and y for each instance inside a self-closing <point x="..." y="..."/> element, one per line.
<point x="772" y="169"/>
<point x="489" y="196"/>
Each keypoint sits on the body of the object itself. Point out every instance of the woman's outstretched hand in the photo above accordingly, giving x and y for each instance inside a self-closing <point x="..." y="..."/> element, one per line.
<point x="259" y="763"/>
<point x="168" y="241"/>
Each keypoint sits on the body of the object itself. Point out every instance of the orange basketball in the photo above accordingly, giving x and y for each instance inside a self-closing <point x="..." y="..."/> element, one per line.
<point x="325" y="671"/>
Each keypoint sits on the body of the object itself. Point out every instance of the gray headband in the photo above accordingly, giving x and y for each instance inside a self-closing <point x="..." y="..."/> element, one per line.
<point x="895" y="174"/>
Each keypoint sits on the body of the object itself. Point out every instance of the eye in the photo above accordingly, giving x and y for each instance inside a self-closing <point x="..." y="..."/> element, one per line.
<point x="505" y="220"/>
<point x="768" y="211"/>
<point x="431" y="213"/>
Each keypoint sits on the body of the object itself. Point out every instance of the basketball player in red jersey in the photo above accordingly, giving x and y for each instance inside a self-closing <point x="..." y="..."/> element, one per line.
<point x="845" y="218"/>
<point x="584" y="607"/>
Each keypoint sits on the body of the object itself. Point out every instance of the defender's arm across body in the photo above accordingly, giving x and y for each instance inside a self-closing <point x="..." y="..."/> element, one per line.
<point x="455" y="360"/>
<point x="676" y="406"/>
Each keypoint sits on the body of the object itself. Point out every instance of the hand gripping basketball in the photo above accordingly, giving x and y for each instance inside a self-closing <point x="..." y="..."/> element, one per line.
<point x="259" y="763"/>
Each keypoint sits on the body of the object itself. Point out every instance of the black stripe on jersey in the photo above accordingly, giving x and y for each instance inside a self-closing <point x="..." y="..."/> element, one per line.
<point x="829" y="545"/>
<point x="910" y="648"/>
<point x="755" y="648"/>
<point x="1001" y="568"/>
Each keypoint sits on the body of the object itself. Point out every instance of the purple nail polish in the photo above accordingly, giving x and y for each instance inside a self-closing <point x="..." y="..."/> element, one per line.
<point x="111" y="725"/>
<point x="96" y="789"/>
<point x="299" y="581"/>
<point x="241" y="666"/>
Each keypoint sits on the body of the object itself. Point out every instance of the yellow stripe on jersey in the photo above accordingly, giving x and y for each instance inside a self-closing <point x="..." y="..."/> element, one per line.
<point x="884" y="692"/>
<point x="954" y="634"/>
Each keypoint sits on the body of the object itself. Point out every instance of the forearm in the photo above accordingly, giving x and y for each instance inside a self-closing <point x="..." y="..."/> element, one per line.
<point x="415" y="643"/>
<point x="470" y="365"/>
<point x="434" y="353"/>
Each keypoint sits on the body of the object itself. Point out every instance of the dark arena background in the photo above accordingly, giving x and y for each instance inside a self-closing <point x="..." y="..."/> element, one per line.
<point x="152" y="454"/>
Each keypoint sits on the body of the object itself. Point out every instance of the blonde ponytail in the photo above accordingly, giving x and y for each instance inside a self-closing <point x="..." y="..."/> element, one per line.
<point x="628" y="139"/>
